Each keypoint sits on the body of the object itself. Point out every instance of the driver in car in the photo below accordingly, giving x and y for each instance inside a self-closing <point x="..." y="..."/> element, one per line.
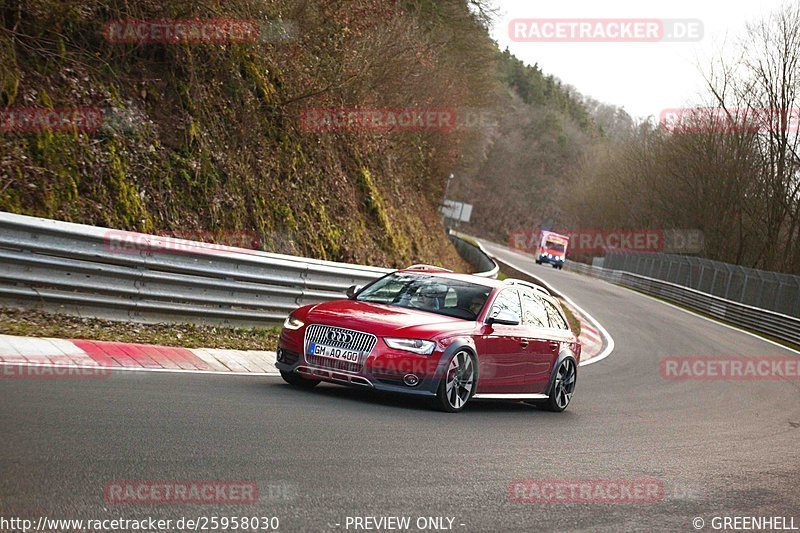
<point x="476" y="304"/>
<point x="431" y="297"/>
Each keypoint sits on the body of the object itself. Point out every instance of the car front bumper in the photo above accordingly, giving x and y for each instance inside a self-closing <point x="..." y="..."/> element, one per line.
<point x="551" y="260"/>
<point x="383" y="369"/>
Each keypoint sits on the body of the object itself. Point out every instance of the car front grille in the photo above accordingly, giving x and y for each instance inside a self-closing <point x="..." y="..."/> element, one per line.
<point x="339" y="338"/>
<point x="332" y="364"/>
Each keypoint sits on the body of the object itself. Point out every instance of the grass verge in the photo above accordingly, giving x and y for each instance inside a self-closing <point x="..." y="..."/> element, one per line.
<point x="40" y="324"/>
<point x="574" y="323"/>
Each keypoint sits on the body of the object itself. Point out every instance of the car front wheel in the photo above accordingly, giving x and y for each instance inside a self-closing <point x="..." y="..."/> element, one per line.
<point x="457" y="385"/>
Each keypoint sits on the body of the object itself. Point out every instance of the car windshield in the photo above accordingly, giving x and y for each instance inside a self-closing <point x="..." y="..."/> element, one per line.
<point x="557" y="247"/>
<point x="435" y="294"/>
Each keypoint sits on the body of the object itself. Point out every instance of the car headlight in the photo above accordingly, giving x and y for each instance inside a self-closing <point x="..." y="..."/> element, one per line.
<point x="293" y="323"/>
<point x="411" y="345"/>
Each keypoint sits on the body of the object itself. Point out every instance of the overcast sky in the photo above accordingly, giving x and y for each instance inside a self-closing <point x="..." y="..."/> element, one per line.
<point x="644" y="78"/>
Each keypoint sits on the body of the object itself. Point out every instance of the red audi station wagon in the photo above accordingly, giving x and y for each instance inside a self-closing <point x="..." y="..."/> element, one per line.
<point x="430" y="332"/>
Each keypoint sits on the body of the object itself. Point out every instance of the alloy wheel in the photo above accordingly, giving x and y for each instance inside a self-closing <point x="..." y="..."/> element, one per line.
<point x="460" y="380"/>
<point x="564" y="386"/>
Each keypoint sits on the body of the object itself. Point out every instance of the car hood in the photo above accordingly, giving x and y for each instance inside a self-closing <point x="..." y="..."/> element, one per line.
<point x="386" y="320"/>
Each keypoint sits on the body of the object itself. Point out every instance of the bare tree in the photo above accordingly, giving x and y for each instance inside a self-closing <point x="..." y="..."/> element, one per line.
<point x="760" y="93"/>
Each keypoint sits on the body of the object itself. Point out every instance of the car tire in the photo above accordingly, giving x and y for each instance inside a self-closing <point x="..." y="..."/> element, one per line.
<point x="563" y="387"/>
<point x="299" y="381"/>
<point x="458" y="383"/>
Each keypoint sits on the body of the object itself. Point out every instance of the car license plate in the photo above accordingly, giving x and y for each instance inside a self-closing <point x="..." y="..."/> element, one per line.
<point x="340" y="354"/>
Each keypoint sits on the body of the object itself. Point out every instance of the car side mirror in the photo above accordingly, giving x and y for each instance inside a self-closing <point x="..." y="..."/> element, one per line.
<point x="352" y="290"/>
<point x="504" y="317"/>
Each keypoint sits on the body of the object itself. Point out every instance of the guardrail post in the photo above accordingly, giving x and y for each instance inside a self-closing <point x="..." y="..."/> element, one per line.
<point x="796" y="310"/>
<point x="700" y="280"/>
<point x="714" y="281"/>
<point x="744" y="288"/>
<point x="728" y="286"/>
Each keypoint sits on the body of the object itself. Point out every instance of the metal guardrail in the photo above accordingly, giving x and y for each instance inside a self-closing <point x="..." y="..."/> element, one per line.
<point x="475" y="256"/>
<point x="98" y="272"/>
<point x="758" y="288"/>
<point x="762" y="320"/>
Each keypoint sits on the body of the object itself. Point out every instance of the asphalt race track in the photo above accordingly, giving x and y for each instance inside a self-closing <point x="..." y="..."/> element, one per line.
<point x="718" y="447"/>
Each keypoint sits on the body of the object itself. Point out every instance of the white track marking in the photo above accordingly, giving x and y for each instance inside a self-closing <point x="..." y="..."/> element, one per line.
<point x="139" y="369"/>
<point x="62" y="353"/>
<point x="679" y="308"/>
<point x="205" y="356"/>
<point x="607" y="336"/>
<point x="715" y="321"/>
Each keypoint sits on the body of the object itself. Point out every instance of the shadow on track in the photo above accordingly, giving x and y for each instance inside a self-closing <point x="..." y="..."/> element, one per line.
<point x="325" y="392"/>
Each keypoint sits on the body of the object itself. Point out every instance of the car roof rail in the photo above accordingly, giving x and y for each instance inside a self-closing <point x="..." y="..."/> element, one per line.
<point x="542" y="289"/>
<point x="428" y="268"/>
<point x="512" y="281"/>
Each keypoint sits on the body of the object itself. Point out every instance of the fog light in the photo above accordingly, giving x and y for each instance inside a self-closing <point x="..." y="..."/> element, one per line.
<point x="411" y="380"/>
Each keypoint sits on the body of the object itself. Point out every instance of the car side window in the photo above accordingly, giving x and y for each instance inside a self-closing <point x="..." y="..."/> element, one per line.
<point x="507" y="299"/>
<point x="533" y="310"/>
<point x="554" y="316"/>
